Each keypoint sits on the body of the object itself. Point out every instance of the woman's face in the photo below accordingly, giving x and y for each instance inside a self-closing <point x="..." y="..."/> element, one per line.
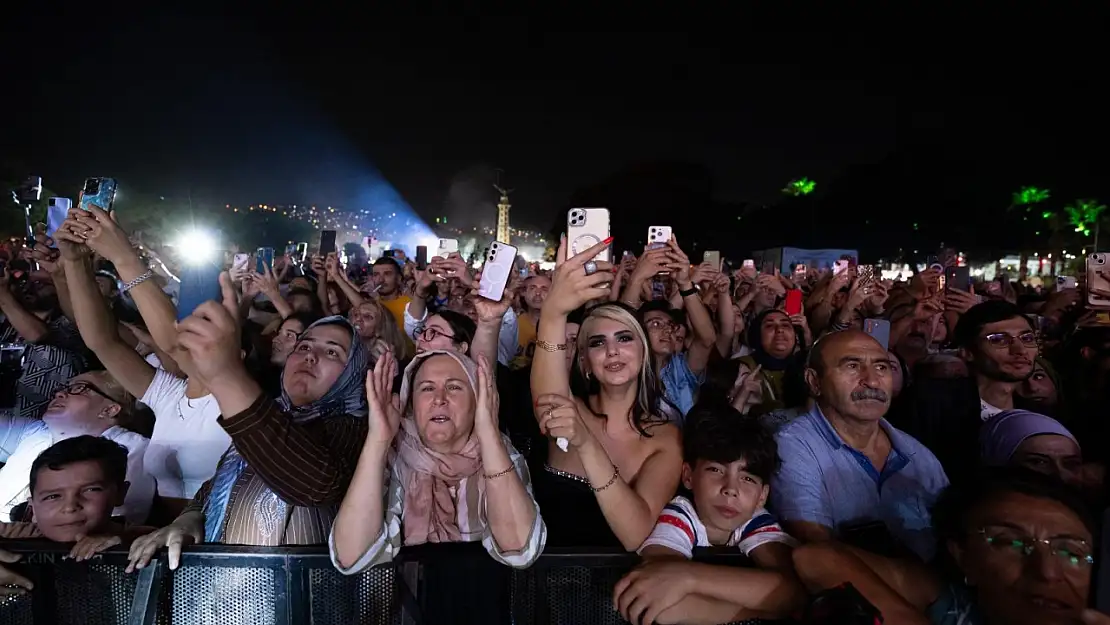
<point x="318" y="359"/>
<point x="300" y="282"/>
<point x="365" y="318"/>
<point x="301" y="302"/>
<point x="1051" y="454"/>
<point x="282" y="344"/>
<point x="1039" y="388"/>
<point x="1050" y="585"/>
<point x="436" y="334"/>
<point x="443" y="404"/>
<point x="614" y="354"/>
<point x="777" y="335"/>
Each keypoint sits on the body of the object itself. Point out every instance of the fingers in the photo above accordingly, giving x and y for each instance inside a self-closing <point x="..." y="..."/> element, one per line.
<point x="8" y="557"/>
<point x="561" y="253"/>
<point x="581" y="258"/>
<point x="173" y="549"/>
<point x="100" y="214"/>
<point x="230" y="295"/>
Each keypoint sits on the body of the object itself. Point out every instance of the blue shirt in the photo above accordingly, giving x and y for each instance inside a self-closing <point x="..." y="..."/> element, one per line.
<point x="680" y="383"/>
<point x="823" y="480"/>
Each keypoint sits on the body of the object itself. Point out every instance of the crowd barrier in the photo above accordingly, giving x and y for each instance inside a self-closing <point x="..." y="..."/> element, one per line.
<point x="229" y="585"/>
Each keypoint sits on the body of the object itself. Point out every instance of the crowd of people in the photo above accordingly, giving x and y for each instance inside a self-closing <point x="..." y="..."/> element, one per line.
<point x="652" y="404"/>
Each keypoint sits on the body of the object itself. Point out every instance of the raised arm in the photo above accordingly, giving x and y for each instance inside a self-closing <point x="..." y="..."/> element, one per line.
<point x="571" y="288"/>
<point x="705" y="336"/>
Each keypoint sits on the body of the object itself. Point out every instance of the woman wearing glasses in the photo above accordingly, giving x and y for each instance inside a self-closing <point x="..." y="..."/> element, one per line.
<point x="1018" y="549"/>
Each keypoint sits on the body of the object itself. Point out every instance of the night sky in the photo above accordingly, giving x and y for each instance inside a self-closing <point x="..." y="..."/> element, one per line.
<point x="292" y="109"/>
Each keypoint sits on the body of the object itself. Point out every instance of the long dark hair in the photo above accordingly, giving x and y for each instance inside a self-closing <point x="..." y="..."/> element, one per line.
<point x="651" y="406"/>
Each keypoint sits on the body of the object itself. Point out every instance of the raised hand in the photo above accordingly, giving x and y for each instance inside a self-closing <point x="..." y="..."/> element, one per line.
<point x="211" y="335"/>
<point x="101" y="233"/>
<point x="385" y="407"/>
<point x="488" y="404"/>
<point x="559" y="418"/>
<point x="571" y="286"/>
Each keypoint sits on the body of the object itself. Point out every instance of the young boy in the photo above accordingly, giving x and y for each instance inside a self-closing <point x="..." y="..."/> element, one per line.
<point x="729" y="460"/>
<point x="74" y="486"/>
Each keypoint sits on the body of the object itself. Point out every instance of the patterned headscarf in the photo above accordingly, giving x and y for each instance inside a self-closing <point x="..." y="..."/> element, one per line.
<point x="345" y="397"/>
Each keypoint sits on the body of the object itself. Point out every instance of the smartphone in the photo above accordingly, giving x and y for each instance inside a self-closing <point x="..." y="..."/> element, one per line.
<point x="586" y="227"/>
<point x="840" y="267"/>
<point x="658" y="236"/>
<point x="447" y="247"/>
<point x="327" y="242"/>
<point x="800" y="271"/>
<point x="199" y="283"/>
<point x="1098" y="277"/>
<point x="658" y="289"/>
<point x="879" y="329"/>
<point x="98" y="191"/>
<point x="768" y="268"/>
<point x="793" y="302"/>
<point x="866" y="274"/>
<point x="748" y="264"/>
<point x="239" y="263"/>
<point x="496" y="271"/>
<point x="957" y="278"/>
<point x="421" y="257"/>
<point x="264" y="255"/>
<point x="1064" y="283"/>
<point x="31" y="190"/>
<point x="301" y="251"/>
<point x="291" y="252"/>
<point x="57" y="208"/>
<point x="713" y="257"/>
<point x="933" y="262"/>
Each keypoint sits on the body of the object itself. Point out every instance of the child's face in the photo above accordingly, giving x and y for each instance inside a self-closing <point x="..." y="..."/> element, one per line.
<point x="725" y="495"/>
<point x="76" y="500"/>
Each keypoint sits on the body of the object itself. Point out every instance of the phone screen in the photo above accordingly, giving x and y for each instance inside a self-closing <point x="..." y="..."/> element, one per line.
<point x="327" y="242"/>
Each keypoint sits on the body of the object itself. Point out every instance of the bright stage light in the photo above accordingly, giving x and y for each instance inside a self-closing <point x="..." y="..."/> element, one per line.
<point x="196" y="247"/>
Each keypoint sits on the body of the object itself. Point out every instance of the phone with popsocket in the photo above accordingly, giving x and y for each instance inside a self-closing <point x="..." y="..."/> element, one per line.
<point x="500" y="259"/>
<point x="586" y="227"/>
<point x="1098" y="277"/>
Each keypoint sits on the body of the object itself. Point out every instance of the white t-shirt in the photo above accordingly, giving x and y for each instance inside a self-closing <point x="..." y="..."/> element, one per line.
<point x="187" y="442"/>
<point x="680" y="529"/>
<point x="986" y="411"/>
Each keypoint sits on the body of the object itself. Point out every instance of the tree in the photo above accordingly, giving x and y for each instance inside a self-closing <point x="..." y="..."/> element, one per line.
<point x="799" y="187"/>
<point x="1084" y="215"/>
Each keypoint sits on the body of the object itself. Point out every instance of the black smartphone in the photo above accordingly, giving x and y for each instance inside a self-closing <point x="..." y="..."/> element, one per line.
<point x="957" y="278"/>
<point x="327" y="242"/>
<point x="421" y="257"/>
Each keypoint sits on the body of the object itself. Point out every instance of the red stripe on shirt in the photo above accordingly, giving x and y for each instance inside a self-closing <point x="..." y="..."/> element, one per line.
<point x="680" y="524"/>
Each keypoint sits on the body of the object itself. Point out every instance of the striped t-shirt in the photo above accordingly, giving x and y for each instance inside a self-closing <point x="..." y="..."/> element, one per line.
<point x="679" y="529"/>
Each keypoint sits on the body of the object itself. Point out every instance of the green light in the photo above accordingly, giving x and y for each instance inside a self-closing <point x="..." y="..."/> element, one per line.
<point x="915" y="226"/>
<point x="1047" y="215"/>
<point x="799" y="187"/>
<point x="1030" y="195"/>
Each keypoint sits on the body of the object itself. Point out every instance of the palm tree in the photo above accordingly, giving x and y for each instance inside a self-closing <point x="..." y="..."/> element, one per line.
<point x="1086" y="214"/>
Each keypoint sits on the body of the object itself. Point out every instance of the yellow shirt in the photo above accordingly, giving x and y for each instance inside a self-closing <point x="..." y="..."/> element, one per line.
<point x="396" y="307"/>
<point x="526" y="337"/>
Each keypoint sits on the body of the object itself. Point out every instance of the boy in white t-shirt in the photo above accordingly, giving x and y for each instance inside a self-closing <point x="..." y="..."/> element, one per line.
<point x="729" y="460"/>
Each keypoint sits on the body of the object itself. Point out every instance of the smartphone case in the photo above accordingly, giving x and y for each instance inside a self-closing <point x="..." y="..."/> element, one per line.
<point x="495" y="273"/>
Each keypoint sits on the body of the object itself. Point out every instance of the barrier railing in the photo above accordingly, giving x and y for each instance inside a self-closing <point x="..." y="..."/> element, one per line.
<point x="226" y="585"/>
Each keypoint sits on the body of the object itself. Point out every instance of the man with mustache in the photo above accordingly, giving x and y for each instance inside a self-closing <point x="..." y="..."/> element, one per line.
<point x="846" y="473"/>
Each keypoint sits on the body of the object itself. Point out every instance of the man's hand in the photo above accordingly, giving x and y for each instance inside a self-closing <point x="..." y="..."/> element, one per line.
<point x="651" y="589"/>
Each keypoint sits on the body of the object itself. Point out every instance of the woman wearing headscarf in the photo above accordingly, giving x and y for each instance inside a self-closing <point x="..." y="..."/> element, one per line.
<point x="453" y="477"/>
<point x="290" y="461"/>
<point x="774" y="340"/>
<point x="1031" y="440"/>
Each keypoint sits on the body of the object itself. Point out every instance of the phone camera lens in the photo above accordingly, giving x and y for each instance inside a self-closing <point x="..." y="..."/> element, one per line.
<point x="92" y="186"/>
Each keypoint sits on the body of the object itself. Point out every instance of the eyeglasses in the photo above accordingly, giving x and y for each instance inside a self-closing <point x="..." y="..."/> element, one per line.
<point x="81" y="388"/>
<point x="1072" y="552"/>
<point x="428" y="333"/>
<point x="1003" y="340"/>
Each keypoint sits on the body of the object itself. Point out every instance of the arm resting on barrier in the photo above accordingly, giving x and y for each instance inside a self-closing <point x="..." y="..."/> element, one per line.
<point x="305" y="465"/>
<point x="515" y="533"/>
<point x="365" y="532"/>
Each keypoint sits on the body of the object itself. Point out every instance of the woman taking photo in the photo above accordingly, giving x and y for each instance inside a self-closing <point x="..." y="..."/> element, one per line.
<point x="621" y="461"/>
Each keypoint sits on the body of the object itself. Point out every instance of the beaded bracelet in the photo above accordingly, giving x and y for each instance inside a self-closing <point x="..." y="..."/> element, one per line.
<point x="137" y="281"/>
<point x="551" y="347"/>
<point x="499" y="473"/>
<point x="612" y="480"/>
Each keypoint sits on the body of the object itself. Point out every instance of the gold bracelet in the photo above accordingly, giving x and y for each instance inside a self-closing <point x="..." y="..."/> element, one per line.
<point x="499" y="473"/>
<point x="551" y="347"/>
<point x="612" y="480"/>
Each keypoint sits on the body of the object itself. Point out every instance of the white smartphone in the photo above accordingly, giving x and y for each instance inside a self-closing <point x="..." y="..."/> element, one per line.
<point x="239" y="262"/>
<point x="586" y="227"/>
<point x="1098" y="277"/>
<point x="1064" y="283"/>
<point x="658" y="236"/>
<point x="500" y="260"/>
<point x="447" y="247"/>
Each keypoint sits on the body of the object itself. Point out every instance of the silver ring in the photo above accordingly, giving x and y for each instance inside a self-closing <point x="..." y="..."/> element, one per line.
<point x="590" y="267"/>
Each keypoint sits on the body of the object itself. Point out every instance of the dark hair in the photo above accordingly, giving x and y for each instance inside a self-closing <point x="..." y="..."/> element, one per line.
<point x="656" y="305"/>
<point x="317" y="308"/>
<point x="966" y="333"/>
<point x="718" y="433"/>
<point x="387" y="261"/>
<point x="306" y="319"/>
<point x="111" y="456"/>
<point x="956" y="504"/>
<point x="462" y="327"/>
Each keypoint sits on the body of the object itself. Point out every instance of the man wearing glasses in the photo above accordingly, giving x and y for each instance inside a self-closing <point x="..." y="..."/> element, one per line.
<point x="92" y="403"/>
<point x="999" y="345"/>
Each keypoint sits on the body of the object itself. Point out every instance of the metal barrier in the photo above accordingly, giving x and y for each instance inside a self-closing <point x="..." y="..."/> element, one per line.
<point x="226" y="585"/>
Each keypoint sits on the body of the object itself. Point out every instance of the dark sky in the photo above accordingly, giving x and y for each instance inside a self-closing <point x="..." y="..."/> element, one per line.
<point x="292" y="109"/>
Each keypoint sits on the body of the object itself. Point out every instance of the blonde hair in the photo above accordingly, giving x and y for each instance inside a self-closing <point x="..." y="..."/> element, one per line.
<point x="649" y="392"/>
<point x="389" y="331"/>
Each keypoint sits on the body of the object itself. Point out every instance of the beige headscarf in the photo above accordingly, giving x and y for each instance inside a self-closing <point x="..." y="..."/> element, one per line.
<point x="443" y="492"/>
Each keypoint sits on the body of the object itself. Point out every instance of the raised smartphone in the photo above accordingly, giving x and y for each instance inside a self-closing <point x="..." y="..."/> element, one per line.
<point x="57" y="208"/>
<point x="496" y="270"/>
<point x="97" y="191"/>
<point x="263" y="255"/>
<point x="199" y="283"/>
<point x="586" y="227"/>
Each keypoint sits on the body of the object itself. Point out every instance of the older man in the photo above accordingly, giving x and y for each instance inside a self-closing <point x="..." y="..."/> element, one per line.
<point x="92" y="403"/>
<point x="844" y="467"/>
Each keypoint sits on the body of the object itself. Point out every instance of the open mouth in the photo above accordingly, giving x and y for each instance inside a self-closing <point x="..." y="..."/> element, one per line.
<point x="439" y="419"/>
<point x="615" y="366"/>
<point x="1048" y="603"/>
